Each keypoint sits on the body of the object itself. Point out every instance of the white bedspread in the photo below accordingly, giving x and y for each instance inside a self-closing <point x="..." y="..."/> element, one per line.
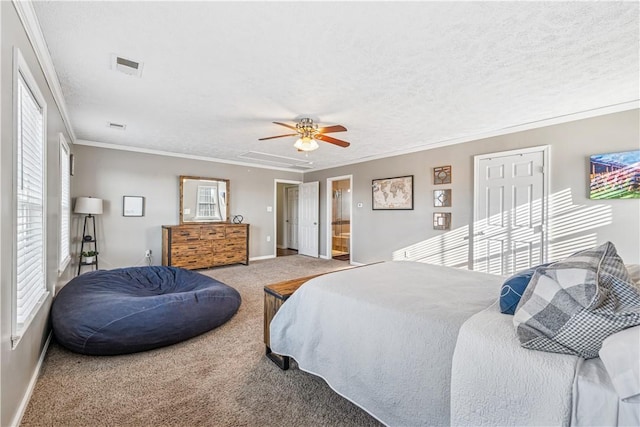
<point x="495" y="381"/>
<point x="595" y="401"/>
<point x="383" y="335"/>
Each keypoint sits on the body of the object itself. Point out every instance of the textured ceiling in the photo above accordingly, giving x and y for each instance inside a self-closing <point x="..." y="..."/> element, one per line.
<point x="398" y="75"/>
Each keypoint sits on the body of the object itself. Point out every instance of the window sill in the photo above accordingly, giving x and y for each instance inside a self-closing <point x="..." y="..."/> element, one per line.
<point x="21" y="329"/>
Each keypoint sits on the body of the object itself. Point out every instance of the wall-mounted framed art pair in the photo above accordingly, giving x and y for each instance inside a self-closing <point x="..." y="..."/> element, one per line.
<point x="132" y="206"/>
<point x="392" y="193"/>
<point x="615" y="175"/>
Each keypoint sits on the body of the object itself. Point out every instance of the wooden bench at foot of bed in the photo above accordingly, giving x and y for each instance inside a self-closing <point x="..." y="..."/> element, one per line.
<point x="274" y="296"/>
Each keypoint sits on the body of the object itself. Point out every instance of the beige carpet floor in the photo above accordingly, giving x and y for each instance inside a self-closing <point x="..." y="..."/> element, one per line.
<point x="220" y="378"/>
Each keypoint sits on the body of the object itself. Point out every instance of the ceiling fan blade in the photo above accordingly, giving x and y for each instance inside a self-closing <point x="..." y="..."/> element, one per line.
<point x="329" y="129"/>
<point x="279" y="136"/>
<point x="331" y="140"/>
<point x="287" y="126"/>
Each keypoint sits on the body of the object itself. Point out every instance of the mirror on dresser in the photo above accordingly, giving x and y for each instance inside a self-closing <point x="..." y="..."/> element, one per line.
<point x="203" y="200"/>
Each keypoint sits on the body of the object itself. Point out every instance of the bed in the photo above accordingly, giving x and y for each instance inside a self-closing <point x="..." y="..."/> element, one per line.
<point x="418" y="344"/>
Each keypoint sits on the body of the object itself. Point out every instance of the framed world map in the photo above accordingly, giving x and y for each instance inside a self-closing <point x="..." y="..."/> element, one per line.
<point x="392" y="193"/>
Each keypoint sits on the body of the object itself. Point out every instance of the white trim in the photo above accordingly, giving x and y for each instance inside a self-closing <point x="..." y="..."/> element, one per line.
<point x="328" y="194"/>
<point x="179" y="155"/>
<point x="258" y="258"/>
<point x="275" y="209"/>
<point x="64" y="148"/>
<point x="31" y="25"/>
<point x="611" y="109"/>
<point x="32" y="384"/>
<point x="546" y="185"/>
<point x="21" y="68"/>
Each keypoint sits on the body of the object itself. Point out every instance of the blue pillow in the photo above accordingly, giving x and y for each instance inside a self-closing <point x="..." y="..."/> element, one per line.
<point x="513" y="288"/>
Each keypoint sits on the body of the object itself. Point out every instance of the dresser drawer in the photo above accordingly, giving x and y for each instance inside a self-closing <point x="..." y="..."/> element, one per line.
<point x="236" y="232"/>
<point x="185" y="234"/>
<point x="230" y="245"/>
<point x="212" y="232"/>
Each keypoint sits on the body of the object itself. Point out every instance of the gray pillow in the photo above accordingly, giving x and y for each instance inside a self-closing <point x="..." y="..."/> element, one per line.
<point x="572" y="305"/>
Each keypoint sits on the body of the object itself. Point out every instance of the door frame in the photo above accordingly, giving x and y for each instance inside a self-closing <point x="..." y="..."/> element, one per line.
<point x="275" y="214"/>
<point x="546" y="181"/>
<point x="329" y="205"/>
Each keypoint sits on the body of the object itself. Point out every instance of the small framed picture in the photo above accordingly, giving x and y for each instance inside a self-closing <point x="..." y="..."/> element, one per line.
<point x="132" y="206"/>
<point x="442" y="175"/>
<point x="442" y="221"/>
<point x="442" y="198"/>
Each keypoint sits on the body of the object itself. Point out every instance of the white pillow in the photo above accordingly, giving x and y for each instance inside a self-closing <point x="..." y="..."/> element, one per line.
<point x="634" y="272"/>
<point x="620" y="354"/>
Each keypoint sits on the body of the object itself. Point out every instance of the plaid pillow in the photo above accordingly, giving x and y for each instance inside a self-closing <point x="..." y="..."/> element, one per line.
<point x="571" y="306"/>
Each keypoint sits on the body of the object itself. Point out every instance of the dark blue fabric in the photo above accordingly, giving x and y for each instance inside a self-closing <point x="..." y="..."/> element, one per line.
<point x="513" y="288"/>
<point x="127" y="310"/>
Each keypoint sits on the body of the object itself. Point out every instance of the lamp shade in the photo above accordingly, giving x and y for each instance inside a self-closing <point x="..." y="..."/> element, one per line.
<point x="88" y="205"/>
<point x="306" y="144"/>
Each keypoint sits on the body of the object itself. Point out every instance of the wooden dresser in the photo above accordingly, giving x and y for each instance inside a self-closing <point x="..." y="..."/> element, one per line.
<point x="194" y="246"/>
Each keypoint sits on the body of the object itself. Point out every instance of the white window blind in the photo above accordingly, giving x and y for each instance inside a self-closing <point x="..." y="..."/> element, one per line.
<point x="65" y="206"/>
<point x="206" y="206"/>
<point x="30" y="282"/>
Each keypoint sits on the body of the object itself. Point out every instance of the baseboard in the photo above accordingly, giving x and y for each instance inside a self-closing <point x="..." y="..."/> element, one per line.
<point x="325" y="257"/>
<point x="262" y="257"/>
<point x="32" y="384"/>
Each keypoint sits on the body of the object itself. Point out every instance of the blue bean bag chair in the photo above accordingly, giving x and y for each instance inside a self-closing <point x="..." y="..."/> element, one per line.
<point x="127" y="310"/>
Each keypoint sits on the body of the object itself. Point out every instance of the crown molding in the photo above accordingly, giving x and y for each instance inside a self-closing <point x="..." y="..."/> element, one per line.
<point x="595" y="112"/>
<point x="30" y="22"/>
<point x="180" y="155"/>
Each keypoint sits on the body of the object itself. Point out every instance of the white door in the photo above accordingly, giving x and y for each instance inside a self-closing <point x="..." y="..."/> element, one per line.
<point x="509" y="217"/>
<point x="308" y="218"/>
<point x="292" y="218"/>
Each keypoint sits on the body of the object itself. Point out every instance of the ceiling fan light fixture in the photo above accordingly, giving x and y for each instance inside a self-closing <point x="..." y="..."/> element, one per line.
<point x="306" y="143"/>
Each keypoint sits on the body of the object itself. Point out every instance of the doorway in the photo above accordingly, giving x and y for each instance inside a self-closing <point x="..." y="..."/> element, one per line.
<point x="339" y="206"/>
<point x="510" y="210"/>
<point x="286" y="218"/>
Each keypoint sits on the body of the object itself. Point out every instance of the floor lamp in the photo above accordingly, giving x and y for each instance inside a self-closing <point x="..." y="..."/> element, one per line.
<point x="89" y="206"/>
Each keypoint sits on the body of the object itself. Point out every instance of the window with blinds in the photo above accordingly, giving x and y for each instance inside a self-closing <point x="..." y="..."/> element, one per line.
<point x="65" y="206"/>
<point x="30" y="273"/>
<point x="206" y="205"/>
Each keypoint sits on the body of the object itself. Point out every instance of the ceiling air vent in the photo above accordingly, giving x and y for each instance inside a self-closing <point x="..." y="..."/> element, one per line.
<point x="275" y="160"/>
<point x="126" y="66"/>
<point x="118" y="126"/>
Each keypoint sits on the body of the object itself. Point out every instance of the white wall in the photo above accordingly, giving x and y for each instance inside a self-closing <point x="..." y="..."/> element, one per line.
<point x="19" y="366"/>
<point x="377" y="234"/>
<point x="110" y="174"/>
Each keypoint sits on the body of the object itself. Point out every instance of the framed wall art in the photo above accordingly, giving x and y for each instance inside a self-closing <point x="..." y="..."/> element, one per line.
<point x="132" y="206"/>
<point x="442" y="221"/>
<point x="615" y="175"/>
<point x="392" y="193"/>
<point x="442" y="175"/>
<point x="442" y="198"/>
